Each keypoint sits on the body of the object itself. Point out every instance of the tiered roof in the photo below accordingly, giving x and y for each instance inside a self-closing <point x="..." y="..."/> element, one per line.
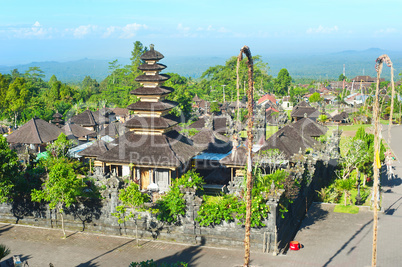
<point x="151" y="141"/>
<point x="151" y="112"/>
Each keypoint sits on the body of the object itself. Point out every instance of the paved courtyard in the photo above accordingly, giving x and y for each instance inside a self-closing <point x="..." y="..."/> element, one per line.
<point x="328" y="239"/>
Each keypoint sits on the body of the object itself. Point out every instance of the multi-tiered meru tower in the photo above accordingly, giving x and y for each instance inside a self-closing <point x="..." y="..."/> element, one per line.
<point x="151" y="153"/>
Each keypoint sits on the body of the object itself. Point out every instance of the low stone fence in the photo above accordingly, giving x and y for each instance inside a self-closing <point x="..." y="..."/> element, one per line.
<point x="95" y="216"/>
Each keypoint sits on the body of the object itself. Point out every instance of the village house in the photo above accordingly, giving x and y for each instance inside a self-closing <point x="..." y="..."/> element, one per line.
<point x="36" y="133"/>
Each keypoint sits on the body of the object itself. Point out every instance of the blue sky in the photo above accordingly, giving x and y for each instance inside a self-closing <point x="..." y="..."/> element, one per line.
<point x="105" y="29"/>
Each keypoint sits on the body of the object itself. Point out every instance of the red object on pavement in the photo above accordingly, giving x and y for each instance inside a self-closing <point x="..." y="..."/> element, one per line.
<point x="294" y="245"/>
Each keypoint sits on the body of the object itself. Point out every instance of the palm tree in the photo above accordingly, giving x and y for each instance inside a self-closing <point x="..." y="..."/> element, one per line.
<point x="4" y="251"/>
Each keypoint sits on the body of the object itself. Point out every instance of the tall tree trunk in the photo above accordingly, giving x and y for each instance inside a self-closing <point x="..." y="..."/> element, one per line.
<point x="250" y="102"/>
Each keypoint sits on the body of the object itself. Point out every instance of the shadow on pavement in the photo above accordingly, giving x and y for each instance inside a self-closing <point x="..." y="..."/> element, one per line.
<point x="91" y="262"/>
<point x="5" y="228"/>
<point x="188" y="255"/>
<point x="314" y="215"/>
<point x="10" y="262"/>
<point x="393" y="207"/>
<point x="394" y="180"/>
<point x="348" y="242"/>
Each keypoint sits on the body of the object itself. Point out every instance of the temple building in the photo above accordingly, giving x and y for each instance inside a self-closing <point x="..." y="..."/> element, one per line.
<point x="151" y="153"/>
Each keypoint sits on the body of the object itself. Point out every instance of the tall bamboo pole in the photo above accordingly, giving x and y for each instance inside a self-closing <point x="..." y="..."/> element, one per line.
<point x="377" y="142"/>
<point x="250" y="100"/>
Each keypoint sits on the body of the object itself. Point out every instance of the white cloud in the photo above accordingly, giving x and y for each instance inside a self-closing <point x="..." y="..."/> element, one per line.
<point x="181" y="28"/>
<point x="386" y="31"/>
<point x="109" y="31"/>
<point x="27" y="32"/>
<point x="322" y="30"/>
<point x="130" y="30"/>
<point x="83" y="30"/>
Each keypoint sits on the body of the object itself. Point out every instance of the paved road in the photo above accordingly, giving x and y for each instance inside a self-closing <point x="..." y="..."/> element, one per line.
<point x="329" y="239"/>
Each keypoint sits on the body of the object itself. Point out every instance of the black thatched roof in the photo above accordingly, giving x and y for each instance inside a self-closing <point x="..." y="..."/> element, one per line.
<point x="162" y="90"/>
<point x="211" y="142"/>
<point x="152" y="54"/>
<point x="289" y="141"/>
<point x="96" y="149"/>
<point x="302" y="104"/>
<point x="238" y="157"/>
<point x="169" y="150"/>
<point x="85" y="118"/>
<point x="57" y="115"/>
<point x="152" y="78"/>
<point x="120" y="111"/>
<point x="35" y="131"/>
<point x="341" y="116"/>
<point x="153" y="122"/>
<point x="113" y="129"/>
<point x="153" y="106"/>
<point x="76" y="131"/>
<point x="149" y="67"/>
<point x="300" y="112"/>
<point x="218" y="124"/>
<point x="309" y="127"/>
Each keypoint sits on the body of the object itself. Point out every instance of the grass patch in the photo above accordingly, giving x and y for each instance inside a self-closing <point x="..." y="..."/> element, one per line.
<point x="346" y="209"/>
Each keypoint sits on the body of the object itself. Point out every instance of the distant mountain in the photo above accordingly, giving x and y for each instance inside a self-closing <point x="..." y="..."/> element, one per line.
<point x="328" y="66"/>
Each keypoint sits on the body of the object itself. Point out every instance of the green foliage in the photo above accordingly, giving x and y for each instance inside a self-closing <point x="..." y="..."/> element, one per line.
<point x="315" y="97"/>
<point x="61" y="188"/>
<point x="259" y="209"/>
<point x="282" y="83"/>
<point x="9" y="170"/>
<point x="322" y="118"/>
<point x="366" y="165"/>
<point x="4" y="251"/>
<point x="132" y="197"/>
<point x="329" y="194"/>
<point x="210" y="86"/>
<point x="151" y="263"/>
<point x="181" y="94"/>
<point x="342" y="77"/>
<point x="172" y="205"/>
<point x="264" y="182"/>
<point x="345" y="185"/>
<point x="60" y="147"/>
<point x="213" y="213"/>
<point x="214" y="108"/>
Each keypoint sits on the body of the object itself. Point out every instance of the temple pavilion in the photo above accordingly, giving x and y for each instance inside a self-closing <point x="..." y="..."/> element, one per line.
<point x="151" y="153"/>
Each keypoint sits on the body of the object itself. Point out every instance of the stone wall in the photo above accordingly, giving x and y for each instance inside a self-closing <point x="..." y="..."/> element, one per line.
<point x="95" y="216"/>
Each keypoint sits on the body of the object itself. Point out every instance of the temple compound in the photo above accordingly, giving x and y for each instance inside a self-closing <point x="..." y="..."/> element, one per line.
<point x="151" y="153"/>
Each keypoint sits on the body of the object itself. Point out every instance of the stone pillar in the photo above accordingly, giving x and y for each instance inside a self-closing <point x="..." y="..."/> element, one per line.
<point x="193" y="204"/>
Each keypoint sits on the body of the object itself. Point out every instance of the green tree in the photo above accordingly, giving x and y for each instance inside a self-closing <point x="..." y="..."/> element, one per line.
<point x="60" y="147"/>
<point x="131" y="197"/>
<point x="60" y="189"/>
<point x="17" y="97"/>
<point x="210" y="86"/>
<point x="9" y="170"/>
<point x="342" y="77"/>
<point x="315" y="97"/>
<point x="345" y="185"/>
<point x="214" y="108"/>
<point x="282" y="82"/>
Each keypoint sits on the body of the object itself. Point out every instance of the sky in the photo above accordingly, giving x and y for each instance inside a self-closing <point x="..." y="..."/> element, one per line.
<point x="106" y="29"/>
